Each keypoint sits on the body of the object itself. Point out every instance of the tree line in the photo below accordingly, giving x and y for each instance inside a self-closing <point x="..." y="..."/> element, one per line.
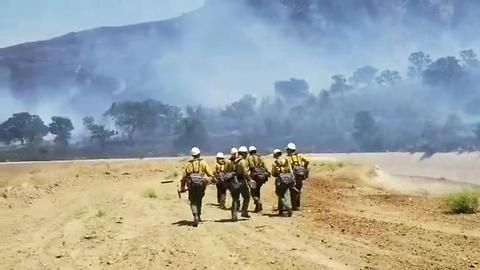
<point x="27" y="128"/>
<point x="433" y="107"/>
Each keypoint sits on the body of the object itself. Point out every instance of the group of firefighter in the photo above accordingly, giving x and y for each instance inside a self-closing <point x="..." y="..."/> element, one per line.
<point x="243" y="174"/>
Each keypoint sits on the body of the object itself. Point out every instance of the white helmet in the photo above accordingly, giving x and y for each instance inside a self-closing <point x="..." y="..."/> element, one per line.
<point x="291" y="146"/>
<point x="277" y="151"/>
<point x="252" y="148"/>
<point x="243" y="149"/>
<point x="195" y="151"/>
<point x="233" y="151"/>
<point x="220" y="155"/>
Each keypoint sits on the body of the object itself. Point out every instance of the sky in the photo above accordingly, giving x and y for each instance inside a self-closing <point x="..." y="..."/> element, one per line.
<point x="32" y="20"/>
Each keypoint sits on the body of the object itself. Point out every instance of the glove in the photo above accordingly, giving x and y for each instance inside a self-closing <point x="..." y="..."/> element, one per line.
<point x="208" y="180"/>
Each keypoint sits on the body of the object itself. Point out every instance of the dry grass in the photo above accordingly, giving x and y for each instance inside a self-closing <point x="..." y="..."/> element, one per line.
<point x="149" y="193"/>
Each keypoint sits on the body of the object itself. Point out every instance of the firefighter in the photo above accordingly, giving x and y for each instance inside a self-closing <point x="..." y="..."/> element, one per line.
<point x="220" y="169"/>
<point x="298" y="164"/>
<point x="231" y="161"/>
<point x="194" y="177"/>
<point x="241" y="188"/>
<point x="259" y="175"/>
<point x="284" y="182"/>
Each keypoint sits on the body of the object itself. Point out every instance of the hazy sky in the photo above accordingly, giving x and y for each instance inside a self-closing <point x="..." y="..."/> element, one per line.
<point x="31" y="20"/>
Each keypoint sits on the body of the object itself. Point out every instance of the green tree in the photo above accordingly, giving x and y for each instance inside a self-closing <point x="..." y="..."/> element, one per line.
<point x="132" y="116"/>
<point x="388" y="77"/>
<point x="62" y="128"/>
<point x="294" y="88"/>
<point x="146" y="116"/>
<point x="445" y="71"/>
<point x="23" y="127"/>
<point x="363" y="76"/>
<point x="339" y="85"/>
<point x="195" y="112"/>
<point x="98" y="132"/>
<point x="419" y="61"/>
<point x="169" y="116"/>
<point x="6" y="134"/>
<point x="469" y="59"/>
<point x="365" y="131"/>
<point x="241" y="109"/>
<point x="191" y="131"/>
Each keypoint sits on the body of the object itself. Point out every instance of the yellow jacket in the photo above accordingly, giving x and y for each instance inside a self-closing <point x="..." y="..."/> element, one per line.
<point x="221" y="166"/>
<point x="296" y="160"/>
<point x="196" y="165"/>
<point x="279" y="166"/>
<point x="242" y="169"/>
<point x="230" y="165"/>
<point x="256" y="161"/>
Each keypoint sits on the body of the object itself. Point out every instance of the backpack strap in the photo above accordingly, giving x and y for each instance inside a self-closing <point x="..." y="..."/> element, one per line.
<point x="257" y="161"/>
<point x="279" y="165"/>
<point x="295" y="160"/>
<point x="197" y="161"/>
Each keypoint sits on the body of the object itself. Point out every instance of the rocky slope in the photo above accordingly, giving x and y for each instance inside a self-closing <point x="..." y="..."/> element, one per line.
<point x="145" y="60"/>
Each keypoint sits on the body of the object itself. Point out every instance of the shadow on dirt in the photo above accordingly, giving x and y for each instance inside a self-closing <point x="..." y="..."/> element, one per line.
<point x="229" y="220"/>
<point x="218" y="206"/>
<point x="184" y="223"/>
<point x="272" y="215"/>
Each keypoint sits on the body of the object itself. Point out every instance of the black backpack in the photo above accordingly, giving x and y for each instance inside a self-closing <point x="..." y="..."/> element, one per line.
<point x="259" y="174"/>
<point x="300" y="172"/>
<point x="196" y="178"/>
<point x="285" y="180"/>
<point x="230" y="180"/>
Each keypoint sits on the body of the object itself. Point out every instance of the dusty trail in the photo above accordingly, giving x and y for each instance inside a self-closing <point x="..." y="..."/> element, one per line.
<point x="95" y="216"/>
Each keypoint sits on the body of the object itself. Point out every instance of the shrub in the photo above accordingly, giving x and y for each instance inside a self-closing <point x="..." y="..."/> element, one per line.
<point x="100" y="213"/>
<point x="173" y="175"/>
<point x="466" y="202"/>
<point x="149" y="193"/>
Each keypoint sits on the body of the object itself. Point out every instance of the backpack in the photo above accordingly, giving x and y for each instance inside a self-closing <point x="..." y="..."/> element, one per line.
<point x="258" y="173"/>
<point x="228" y="180"/>
<point x="196" y="179"/>
<point x="285" y="180"/>
<point x="299" y="171"/>
<point x="220" y="174"/>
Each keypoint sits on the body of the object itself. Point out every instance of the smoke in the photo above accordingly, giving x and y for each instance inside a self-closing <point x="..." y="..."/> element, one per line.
<point x="226" y="49"/>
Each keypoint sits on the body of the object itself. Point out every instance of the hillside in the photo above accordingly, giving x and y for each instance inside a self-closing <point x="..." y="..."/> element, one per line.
<point x="174" y="57"/>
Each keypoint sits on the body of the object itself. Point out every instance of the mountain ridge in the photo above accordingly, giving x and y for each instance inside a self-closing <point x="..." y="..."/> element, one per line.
<point x="141" y="60"/>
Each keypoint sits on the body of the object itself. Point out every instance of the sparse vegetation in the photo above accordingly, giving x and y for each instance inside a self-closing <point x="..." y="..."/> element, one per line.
<point x="174" y="174"/>
<point x="465" y="202"/>
<point x="100" y="213"/>
<point x="149" y="193"/>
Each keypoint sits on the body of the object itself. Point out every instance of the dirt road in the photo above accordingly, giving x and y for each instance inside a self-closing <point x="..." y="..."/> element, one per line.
<point x="76" y="215"/>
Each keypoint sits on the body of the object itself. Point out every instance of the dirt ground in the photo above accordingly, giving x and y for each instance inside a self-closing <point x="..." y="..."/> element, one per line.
<point x="96" y="215"/>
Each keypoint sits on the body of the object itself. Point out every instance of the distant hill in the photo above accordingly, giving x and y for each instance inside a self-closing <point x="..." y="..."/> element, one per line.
<point x="159" y="58"/>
